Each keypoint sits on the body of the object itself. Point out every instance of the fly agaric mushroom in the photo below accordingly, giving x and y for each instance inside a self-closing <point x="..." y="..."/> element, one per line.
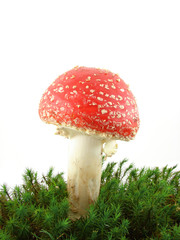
<point x="92" y="107"/>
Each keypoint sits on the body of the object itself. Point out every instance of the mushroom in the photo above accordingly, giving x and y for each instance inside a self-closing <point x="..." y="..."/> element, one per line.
<point x="93" y="108"/>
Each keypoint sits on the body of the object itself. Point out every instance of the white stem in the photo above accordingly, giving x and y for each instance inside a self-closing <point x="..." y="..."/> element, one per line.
<point x="84" y="173"/>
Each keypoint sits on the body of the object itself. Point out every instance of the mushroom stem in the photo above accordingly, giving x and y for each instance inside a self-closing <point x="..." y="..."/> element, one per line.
<point x="84" y="173"/>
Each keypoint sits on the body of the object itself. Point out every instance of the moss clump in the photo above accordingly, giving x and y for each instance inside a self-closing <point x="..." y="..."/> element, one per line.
<point x="133" y="204"/>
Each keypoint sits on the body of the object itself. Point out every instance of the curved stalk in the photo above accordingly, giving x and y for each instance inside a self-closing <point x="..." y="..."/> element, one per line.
<point x="84" y="173"/>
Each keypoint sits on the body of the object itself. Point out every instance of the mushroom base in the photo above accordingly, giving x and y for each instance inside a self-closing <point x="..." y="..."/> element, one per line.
<point x="84" y="173"/>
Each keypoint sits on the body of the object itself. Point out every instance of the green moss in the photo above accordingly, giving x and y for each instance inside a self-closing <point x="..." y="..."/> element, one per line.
<point x="133" y="204"/>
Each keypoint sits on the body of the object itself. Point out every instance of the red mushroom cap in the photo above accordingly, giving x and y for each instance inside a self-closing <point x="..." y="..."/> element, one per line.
<point x="94" y="101"/>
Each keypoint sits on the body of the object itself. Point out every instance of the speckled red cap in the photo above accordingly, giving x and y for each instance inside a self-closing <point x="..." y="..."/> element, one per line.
<point x="92" y="101"/>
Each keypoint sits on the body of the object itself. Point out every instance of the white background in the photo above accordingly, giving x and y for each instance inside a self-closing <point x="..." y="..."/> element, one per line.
<point x="39" y="40"/>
